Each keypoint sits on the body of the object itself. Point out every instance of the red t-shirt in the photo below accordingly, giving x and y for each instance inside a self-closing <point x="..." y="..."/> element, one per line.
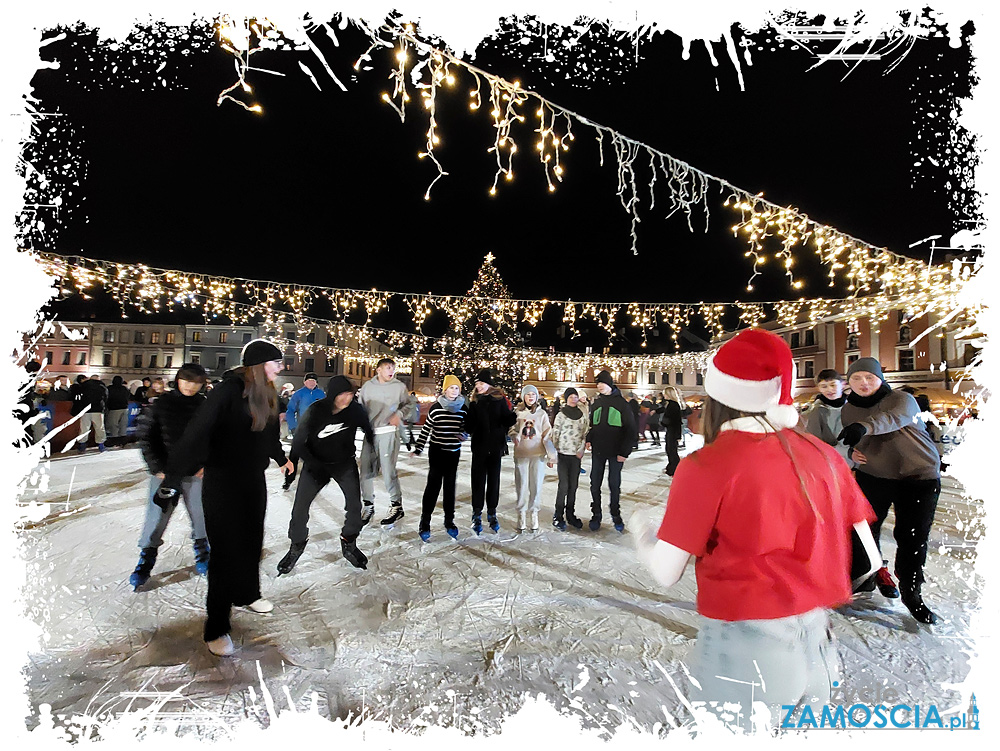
<point x="762" y="552"/>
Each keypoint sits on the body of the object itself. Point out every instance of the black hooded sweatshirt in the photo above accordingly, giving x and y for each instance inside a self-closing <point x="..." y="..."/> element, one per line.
<point x="323" y="439"/>
<point x="118" y="394"/>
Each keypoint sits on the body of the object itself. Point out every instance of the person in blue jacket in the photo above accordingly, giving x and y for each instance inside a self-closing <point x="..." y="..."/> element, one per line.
<point x="300" y="401"/>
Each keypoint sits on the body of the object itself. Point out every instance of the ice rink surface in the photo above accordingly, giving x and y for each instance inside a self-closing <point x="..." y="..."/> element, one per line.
<point x="444" y="632"/>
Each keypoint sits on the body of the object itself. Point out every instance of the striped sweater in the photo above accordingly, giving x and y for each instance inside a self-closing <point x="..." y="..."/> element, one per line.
<point x="444" y="428"/>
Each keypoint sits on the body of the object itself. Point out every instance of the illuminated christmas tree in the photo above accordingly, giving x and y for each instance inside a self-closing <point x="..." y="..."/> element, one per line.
<point x="487" y="336"/>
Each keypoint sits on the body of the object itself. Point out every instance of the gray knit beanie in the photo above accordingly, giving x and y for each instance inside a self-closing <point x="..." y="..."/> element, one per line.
<point x="866" y="365"/>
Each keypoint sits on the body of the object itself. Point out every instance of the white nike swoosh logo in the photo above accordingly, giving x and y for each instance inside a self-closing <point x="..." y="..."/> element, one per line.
<point x="331" y="429"/>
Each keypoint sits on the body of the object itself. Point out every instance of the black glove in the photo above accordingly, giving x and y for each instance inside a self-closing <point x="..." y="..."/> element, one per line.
<point x="852" y="433"/>
<point x="352" y="554"/>
<point x="167" y="495"/>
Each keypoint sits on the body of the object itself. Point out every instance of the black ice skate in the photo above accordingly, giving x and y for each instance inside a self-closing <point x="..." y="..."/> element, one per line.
<point x="287" y="563"/>
<point x="147" y="559"/>
<point x="915" y="604"/>
<point x="352" y="554"/>
<point x="201" y="555"/>
<point x="395" y="514"/>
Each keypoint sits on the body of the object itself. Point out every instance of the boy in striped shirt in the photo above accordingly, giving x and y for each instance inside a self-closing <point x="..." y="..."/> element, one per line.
<point x="443" y="432"/>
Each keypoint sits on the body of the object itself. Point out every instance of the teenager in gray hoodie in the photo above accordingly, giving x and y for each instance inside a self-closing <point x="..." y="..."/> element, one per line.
<point x="386" y="400"/>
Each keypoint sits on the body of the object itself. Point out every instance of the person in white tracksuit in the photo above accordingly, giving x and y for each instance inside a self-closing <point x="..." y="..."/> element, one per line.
<point x="533" y="448"/>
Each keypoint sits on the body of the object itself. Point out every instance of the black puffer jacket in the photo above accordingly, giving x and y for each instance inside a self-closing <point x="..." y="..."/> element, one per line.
<point x="488" y="420"/>
<point x="118" y="394"/>
<point x="219" y="436"/>
<point x="161" y="426"/>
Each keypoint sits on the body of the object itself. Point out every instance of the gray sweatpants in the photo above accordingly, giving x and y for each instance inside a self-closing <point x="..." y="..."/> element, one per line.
<point x="117" y="423"/>
<point x="529" y="475"/>
<point x="777" y="661"/>
<point x="381" y="460"/>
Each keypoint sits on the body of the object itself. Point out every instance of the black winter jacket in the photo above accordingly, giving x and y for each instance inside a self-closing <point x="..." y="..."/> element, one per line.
<point x="612" y="425"/>
<point x="118" y="396"/>
<point x="324" y="439"/>
<point x="220" y="437"/>
<point x="95" y="394"/>
<point x="488" y="419"/>
<point x="162" y="425"/>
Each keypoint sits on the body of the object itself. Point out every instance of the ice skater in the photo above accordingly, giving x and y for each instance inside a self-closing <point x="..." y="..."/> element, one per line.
<point x="767" y="513"/>
<point x="569" y="436"/>
<point x="611" y="437"/>
<point x="386" y="400"/>
<point x="296" y="407"/>
<point x="898" y="466"/>
<point x="233" y="435"/>
<point x="442" y="433"/>
<point x="533" y="449"/>
<point x="324" y="440"/>
<point x="161" y="427"/>
<point x="488" y="420"/>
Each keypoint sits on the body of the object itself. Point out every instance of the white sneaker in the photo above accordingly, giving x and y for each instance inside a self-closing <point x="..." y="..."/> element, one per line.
<point x="534" y="521"/>
<point x="223" y="646"/>
<point x="261" y="606"/>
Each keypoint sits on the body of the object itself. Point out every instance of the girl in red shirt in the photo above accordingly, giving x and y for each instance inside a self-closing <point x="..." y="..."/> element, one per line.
<point x="767" y="512"/>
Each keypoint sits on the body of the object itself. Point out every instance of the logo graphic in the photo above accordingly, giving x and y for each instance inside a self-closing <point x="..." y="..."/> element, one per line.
<point x="329" y="430"/>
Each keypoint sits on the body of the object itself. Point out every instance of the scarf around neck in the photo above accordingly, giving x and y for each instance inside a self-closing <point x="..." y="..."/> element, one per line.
<point x="866" y="402"/>
<point x="833" y="402"/>
<point x="452" y="405"/>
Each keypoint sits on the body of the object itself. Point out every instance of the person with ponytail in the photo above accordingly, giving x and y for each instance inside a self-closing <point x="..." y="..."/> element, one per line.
<point x="767" y="512"/>
<point x="233" y="435"/>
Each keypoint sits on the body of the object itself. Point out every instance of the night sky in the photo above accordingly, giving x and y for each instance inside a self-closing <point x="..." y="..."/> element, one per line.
<point x="325" y="188"/>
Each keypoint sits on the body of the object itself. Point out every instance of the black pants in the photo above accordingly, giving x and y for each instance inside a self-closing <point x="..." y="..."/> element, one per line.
<point x="914" y="502"/>
<point x="569" y="480"/>
<point x="670" y="446"/>
<point x="486" y="482"/>
<point x="654" y="430"/>
<point x="235" y="503"/>
<point x="310" y="483"/>
<point x="614" y="484"/>
<point x="442" y="466"/>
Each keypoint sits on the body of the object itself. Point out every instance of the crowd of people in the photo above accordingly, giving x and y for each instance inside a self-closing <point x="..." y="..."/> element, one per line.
<point x="782" y="512"/>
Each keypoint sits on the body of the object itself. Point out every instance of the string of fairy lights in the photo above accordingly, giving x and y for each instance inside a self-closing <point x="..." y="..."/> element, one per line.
<point x="865" y="269"/>
<point x="154" y="289"/>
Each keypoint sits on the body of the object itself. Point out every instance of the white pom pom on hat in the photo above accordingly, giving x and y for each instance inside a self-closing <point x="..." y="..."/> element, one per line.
<point x="753" y="372"/>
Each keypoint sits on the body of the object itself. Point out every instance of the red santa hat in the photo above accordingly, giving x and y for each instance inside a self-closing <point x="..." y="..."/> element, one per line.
<point x="752" y="372"/>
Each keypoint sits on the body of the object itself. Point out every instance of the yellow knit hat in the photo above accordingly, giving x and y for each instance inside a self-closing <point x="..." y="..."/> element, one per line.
<point x="450" y="380"/>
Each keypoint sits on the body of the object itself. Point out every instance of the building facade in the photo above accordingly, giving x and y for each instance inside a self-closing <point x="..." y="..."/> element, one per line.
<point x="64" y="349"/>
<point x="136" y="350"/>
<point x="217" y="348"/>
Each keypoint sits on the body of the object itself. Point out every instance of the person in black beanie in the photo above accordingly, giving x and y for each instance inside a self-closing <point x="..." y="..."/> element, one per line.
<point x="611" y="437"/>
<point x="324" y="440"/>
<point x="898" y="465"/>
<point x="233" y="436"/>
<point x="487" y="422"/>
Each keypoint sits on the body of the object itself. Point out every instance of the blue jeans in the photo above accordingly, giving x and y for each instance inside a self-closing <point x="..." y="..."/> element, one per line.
<point x="157" y="519"/>
<point x="777" y="661"/>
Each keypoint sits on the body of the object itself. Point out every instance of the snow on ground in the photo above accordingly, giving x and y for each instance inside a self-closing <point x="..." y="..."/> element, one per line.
<point x="445" y="632"/>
